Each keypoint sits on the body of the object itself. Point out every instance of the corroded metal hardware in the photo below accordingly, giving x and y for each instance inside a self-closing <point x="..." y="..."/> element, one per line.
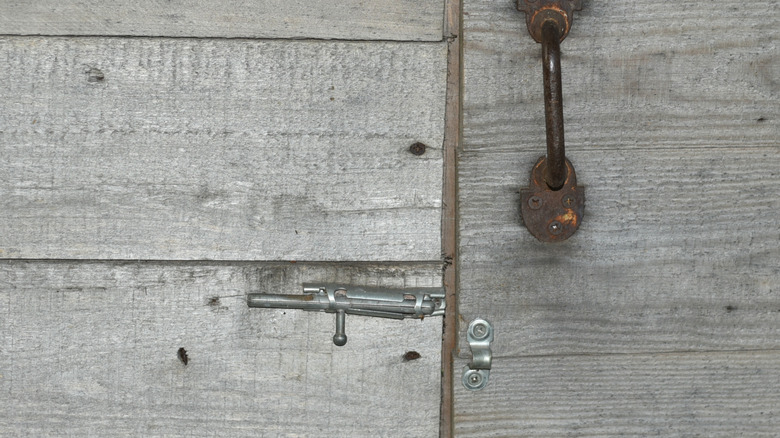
<point x="552" y="215"/>
<point x="553" y="205"/>
<point x="537" y="12"/>
<point x="477" y="372"/>
<point x="356" y="300"/>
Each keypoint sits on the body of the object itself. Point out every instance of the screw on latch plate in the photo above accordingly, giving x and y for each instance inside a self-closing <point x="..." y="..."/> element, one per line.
<point x="477" y="372"/>
<point x="553" y="206"/>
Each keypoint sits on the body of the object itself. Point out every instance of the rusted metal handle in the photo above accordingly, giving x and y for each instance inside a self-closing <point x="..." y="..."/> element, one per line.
<point x="553" y="205"/>
<point x="555" y="174"/>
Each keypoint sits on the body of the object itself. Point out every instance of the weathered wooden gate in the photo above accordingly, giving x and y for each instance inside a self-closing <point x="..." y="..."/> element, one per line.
<point x="661" y="316"/>
<point x="161" y="160"/>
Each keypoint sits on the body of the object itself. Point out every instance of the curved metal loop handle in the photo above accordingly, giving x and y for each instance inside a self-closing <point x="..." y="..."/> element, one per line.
<point x="555" y="173"/>
<point x="552" y="207"/>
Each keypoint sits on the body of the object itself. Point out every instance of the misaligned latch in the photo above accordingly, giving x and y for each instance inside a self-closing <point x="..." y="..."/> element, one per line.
<point x="356" y="300"/>
<point x="477" y="372"/>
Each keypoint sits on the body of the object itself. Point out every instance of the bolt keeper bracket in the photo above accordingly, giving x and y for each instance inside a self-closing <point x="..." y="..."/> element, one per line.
<point x="477" y="372"/>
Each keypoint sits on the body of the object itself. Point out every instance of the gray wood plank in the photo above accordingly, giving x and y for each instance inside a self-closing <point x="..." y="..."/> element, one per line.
<point x="680" y="245"/>
<point x="673" y="125"/>
<point x="642" y="74"/>
<point x="670" y="395"/>
<point x="90" y="349"/>
<point x="678" y="250"/>
<point x="407" y="20"/>
<point x="220" y="149"/>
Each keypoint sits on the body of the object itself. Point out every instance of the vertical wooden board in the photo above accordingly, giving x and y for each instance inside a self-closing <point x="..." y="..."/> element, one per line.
<point x="91" y="349"/>
<point x="220" y="149"/>
<point x="401" y="20"/>
<point x="679" y="230"/>
<point x="672" y="124"/>
<point x="668" y="395"/>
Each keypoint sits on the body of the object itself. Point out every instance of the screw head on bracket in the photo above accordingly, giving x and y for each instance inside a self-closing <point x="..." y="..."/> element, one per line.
<point x="479" y="330"/>
<point x="474" y="380"/>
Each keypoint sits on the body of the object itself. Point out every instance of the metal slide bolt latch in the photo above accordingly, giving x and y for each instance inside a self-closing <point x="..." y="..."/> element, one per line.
<point x="477" y="372"/>
<point x="357" y="300"/>
<point x="553" y="206"/>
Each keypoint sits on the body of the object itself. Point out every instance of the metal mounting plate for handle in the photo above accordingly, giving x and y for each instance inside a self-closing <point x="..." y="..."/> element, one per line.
<point x="553" y="206"/>
<point x="552" y="215"/>
<point x="539" y="11"/>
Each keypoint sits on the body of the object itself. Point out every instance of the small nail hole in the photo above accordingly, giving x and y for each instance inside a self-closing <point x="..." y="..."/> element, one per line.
<point x="411" y="355"/>
<point x="182" y="354"/>
<point x="95" y="75"/>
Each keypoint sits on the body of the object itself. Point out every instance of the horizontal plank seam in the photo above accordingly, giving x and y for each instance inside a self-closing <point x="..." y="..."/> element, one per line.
<point x="771" y="145"/>
<point x="408" y="263"/>
<point x="168" y="37"/>
<point x="642" y="353"/>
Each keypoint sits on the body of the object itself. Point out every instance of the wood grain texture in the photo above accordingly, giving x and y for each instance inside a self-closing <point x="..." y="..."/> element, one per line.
<point x="90" y="349"/>
<point x="723" y="394"/>
<point x="678" y="250"/>
<point x="673" y="125"/>
<point x="213" y="149"/>
<point x="680" y="246"/>
<point x="646" y="74"/>
<point x="401" y="20"/>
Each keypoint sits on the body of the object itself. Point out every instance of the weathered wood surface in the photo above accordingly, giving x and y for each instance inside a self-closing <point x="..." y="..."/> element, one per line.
<point x="726" y="394"/>
<point x="679" y="250"/>
<point x="402" y="20"/>
<point x="90" y="349"/>
<point x="449" y="222"/>
<point x="672" y="124"/>
<point x="646" y="74"/>
<point x="220" y="149"/>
